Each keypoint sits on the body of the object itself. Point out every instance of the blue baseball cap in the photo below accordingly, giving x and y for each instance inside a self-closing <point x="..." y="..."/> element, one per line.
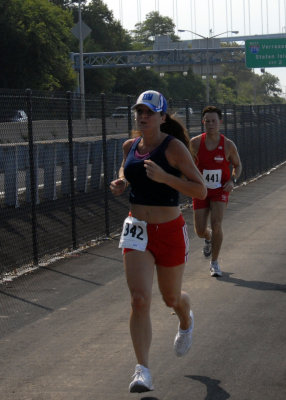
<point x="153" y="100"/>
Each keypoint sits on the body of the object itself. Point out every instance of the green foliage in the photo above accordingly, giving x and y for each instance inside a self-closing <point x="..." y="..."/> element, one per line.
<point x="224" y="94"/>
<point x="155" y="24"/>
<point x="240" y="85"/>
<point x="185" y="87"/>
<point x="270" y="83"/>
<point x="136" y="81"/>
<point x="36" y="42"/>
<point x="35" y="37"/>
<point x="61" y="3"/>
<point x="106" y="35"/>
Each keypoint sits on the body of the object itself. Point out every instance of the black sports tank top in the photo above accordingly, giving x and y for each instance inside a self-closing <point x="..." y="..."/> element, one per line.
<point x="144" y="190"/>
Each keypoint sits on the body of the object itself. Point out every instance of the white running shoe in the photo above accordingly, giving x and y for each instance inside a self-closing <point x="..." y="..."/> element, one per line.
<point x="215" y="269"/>
<point x="183" y="340"/>
<point x="207" y="249"/>
<point x="142" y="381"/>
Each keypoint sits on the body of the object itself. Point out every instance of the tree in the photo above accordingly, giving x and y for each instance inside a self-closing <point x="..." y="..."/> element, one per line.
<point x="154" y="24"/>
<point x="106" y="35"/>
<point x="133" y="82"/>
<point x="246" y="86"/>
<point x="270" y="83"/>
<point x="62" y="3"/>
<point x="35" y="39"/>
<point x="224" y="94"/>
<point x="185" y="87"/>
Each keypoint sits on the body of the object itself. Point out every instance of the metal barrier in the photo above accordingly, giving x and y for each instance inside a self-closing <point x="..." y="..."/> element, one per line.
<point x="55" y="173"/>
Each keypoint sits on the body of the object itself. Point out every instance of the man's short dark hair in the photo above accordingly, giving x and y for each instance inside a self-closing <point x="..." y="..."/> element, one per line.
<point x="212" y="109"/>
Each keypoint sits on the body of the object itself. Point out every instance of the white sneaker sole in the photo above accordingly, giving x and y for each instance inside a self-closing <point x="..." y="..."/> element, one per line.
<point x="216" y="274"/>
<point x="139" y="388"/>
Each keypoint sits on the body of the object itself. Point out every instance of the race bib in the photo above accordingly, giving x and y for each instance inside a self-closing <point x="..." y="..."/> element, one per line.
<point x="212" y="178"/>
<point x="134" y="234"/>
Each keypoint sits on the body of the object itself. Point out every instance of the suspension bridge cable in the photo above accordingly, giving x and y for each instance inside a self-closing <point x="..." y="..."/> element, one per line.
<point x="244" y="28"/>
<point x="213" y="15"/>
<point x="249" y="28"/>
<point x="226" y="15"/>
<point x="231" y="27"/>
<point x="267" y="16"/>
<point x="139" y="11"/>
<point x="262" y="16"/>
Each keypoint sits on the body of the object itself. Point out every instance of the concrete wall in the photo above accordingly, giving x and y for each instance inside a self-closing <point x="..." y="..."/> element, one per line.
<point x="17" y="132"/>
<point x="52" y="169"/>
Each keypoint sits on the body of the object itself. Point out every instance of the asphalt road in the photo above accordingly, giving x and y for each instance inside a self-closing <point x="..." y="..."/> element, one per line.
<point x="64" y="329"/>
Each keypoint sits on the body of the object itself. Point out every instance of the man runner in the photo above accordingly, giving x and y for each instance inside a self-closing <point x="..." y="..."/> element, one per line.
<point x="214" y="154"/>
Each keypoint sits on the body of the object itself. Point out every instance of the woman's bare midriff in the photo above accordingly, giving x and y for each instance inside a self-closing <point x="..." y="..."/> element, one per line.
<point x="154" y="214"/>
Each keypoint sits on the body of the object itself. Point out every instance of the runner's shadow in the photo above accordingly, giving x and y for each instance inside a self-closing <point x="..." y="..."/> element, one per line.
<point x="214" y="391"/>
<point x="257" y="285"/>
<point x="149" y="398"/>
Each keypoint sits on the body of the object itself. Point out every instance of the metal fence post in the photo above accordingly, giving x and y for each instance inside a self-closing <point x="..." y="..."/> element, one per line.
<point x="187" y="106"/>
<point x="234" y="123"/>
<point x="32" y="177"/>
<point x="129" y="115"/>
<point x="71" y="169"/>
<point x="170" y="106"/>
<point x="104" y="154"/>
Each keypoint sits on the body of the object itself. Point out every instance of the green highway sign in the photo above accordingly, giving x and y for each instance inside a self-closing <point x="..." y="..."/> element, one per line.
<point x="261" y="53"/>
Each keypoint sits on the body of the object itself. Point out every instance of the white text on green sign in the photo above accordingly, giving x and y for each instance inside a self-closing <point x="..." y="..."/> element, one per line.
<point x="265" y="53"/>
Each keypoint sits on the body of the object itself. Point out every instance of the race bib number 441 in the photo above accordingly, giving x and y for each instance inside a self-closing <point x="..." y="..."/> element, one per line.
<point x="134" y="234"/>
<point x="212" y="178"/>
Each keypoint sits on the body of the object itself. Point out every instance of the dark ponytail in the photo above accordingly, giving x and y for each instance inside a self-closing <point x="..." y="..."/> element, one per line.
<point x="175" y="128"/>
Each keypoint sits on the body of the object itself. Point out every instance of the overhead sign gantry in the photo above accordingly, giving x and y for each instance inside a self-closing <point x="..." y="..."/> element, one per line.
<point x="156" y="58"/>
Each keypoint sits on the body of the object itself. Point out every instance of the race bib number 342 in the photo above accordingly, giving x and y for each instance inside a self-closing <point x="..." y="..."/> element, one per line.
<point x="134" y="234"/>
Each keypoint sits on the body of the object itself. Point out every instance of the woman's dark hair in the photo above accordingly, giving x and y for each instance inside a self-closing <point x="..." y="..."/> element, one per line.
<point x="173" y="127"/>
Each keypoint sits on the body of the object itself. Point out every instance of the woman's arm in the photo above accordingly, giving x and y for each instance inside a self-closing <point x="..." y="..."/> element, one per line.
<point x="191" y="182"/>
<point x="118" y="186"/>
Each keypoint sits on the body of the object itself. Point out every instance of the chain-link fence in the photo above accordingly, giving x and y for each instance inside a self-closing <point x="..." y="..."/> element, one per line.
<point x="58" y="153"/>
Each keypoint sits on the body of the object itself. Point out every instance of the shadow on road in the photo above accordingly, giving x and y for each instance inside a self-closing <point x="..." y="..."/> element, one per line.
<point x="25" y="301"/>
<point x="257" y="285"/>
<point x="149" y="398"/>
<point x="71" y="276"/>
<point x="214" y="391"/>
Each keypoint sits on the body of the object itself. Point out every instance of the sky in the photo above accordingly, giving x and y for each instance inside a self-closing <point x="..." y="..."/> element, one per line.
<point x="210" y="17"/>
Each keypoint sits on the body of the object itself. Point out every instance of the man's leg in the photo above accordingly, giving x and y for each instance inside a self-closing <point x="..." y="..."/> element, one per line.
<point x="217" y="212"/>
<point x="201" y="223"/>
<point x="202" y="229"/>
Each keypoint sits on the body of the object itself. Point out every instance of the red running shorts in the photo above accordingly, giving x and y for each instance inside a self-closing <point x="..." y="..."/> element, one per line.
<point x="213" y="195"/>
<point x="168" y="242"/>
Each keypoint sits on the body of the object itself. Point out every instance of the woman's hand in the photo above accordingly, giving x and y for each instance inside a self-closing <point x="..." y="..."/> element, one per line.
<point x="118" y="186"/>
<point x="155" y="172"/>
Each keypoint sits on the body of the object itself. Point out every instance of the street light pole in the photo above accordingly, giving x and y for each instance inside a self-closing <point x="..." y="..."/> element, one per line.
<point x="207" y="38"/>
<point x="207" y="72"/>
<point x="81" y="69"/>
